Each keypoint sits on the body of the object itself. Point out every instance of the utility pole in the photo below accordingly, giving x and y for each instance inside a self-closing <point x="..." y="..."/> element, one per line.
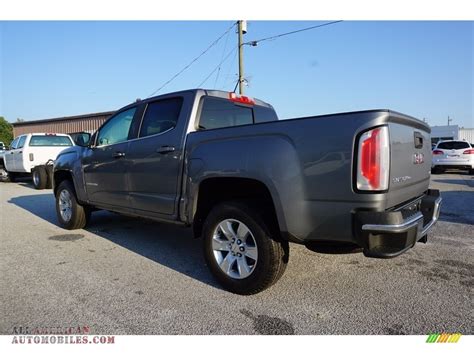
<point x="242" y="28"/>
<point x="449" y="120"/>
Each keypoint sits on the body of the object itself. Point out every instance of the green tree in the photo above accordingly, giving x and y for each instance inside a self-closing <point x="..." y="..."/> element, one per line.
<point x="6" y="131"/>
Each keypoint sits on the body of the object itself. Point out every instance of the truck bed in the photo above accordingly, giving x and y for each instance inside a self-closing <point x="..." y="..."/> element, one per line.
<point x="307" y="163"/>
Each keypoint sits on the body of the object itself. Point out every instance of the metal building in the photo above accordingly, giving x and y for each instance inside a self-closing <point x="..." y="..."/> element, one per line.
<point x="452" y="132"/>
<point x="72" y="124"/>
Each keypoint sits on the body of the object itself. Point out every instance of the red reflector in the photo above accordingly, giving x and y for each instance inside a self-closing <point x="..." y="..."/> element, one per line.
<point x="241" y="99"/>
<point x="469" y="151"/>
<point x="437" y="152"/>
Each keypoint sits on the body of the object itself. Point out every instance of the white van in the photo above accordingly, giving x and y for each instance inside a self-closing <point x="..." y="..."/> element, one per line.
<point x="33" y="150"/>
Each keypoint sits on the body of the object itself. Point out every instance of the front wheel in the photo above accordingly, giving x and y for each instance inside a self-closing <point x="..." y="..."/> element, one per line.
<point x="240" y="250"/>
<point x="71" y="215"/>
<point x="4" y="174"/>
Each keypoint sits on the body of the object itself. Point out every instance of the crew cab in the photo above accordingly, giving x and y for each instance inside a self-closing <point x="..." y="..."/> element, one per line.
<point x="30" y="153"/>
<point x="249" y="184"/>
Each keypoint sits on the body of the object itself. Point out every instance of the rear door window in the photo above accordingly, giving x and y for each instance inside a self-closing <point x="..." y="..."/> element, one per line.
<point x="50" y="141"/>
<point x="453" y="145"/>
<point x="219" y="113"/>
<point x="161" y="116"/>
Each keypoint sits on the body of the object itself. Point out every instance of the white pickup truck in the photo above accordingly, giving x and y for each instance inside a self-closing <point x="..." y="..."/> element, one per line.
<point x="30" y="153"/>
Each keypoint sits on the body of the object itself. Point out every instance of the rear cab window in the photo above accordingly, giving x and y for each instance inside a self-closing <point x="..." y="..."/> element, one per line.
<point x="219" y="113"/>
<point x="50" y="141"/>
<point x="453" y="145"/>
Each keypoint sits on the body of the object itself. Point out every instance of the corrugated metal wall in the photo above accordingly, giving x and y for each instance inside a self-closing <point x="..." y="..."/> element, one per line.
<point x="84" y="123"/>
<point x="467" y="134"/>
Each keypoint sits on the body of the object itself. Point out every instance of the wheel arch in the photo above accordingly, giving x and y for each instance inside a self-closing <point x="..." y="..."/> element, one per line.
<point x="214" y="190"/>
<point x="61" y="175"/>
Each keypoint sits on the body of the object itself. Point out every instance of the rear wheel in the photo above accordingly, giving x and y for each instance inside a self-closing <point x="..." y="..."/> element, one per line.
<point x="240" y="251"/>
<point x="40" y="178"/>
<point x="71" y="215"/>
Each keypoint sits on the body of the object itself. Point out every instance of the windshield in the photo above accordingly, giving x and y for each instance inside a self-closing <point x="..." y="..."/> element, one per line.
<point x="50" y="141"/>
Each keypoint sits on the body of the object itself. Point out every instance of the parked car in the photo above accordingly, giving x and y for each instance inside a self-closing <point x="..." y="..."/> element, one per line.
<point x="249" y="184"/>
<point x="453" y="154"/>
<point x="30" y="154"/>
<point x="3" y="150"/>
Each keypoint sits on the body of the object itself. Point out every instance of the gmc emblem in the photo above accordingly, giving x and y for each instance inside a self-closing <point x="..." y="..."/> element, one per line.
<point x="418" y="158"/>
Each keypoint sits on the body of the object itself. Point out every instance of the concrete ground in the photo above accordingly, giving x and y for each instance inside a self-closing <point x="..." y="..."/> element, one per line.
<point x="131" y="276"/>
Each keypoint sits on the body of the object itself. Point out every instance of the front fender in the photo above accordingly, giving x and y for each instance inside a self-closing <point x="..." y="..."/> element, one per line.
<point x="70" y="160"/>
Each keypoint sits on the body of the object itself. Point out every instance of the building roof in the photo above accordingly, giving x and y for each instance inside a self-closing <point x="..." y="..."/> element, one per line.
<point x="67" y="118"/>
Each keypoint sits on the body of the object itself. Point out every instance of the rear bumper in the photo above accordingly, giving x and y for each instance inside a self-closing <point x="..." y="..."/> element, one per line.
<point x="389" y="234"/>
<point x="447" y="163"/>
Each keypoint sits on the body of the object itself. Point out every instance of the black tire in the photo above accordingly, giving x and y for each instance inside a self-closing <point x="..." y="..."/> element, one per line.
<point x="80" y="214"/>
<point x="49" y="174"/>
<point x="4" y="176"/>
<point x="12" y="177"/>
<point x="40" y="178"/>
<point x="436" y="170"/>
<point x="272" y="253"/>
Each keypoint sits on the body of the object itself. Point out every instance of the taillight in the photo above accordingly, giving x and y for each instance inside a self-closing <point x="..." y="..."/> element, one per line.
<point x="373" y="160"/>
<point x="437" y="152"/>
<point x="241" y="99"/>
<point x="469" y="151"/>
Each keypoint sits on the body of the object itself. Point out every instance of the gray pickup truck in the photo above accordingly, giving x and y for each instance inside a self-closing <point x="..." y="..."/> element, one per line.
<point x="249" y="184"/>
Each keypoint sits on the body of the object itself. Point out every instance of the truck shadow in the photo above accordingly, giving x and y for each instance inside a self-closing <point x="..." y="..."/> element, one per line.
<point x="27" y="184"/>
<point x="169" y="245"/>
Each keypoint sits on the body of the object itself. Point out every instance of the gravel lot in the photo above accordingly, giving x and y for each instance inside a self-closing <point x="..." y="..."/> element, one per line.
<point x="130" y="276"/>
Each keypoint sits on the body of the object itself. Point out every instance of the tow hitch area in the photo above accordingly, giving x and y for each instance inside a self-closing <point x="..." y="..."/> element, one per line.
<point x="389" y="234"/>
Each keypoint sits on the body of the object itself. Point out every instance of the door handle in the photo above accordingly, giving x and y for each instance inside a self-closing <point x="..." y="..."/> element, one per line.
<point x="165" y="149"/>
<point x="118" y="155"/>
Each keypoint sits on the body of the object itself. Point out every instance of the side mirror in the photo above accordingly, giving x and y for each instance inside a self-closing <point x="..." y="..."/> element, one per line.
<point x="82" y="139"/>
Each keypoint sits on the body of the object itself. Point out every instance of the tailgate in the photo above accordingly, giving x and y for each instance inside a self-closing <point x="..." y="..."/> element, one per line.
<point x="410" y="158"/>
<point x="42" y="154"/>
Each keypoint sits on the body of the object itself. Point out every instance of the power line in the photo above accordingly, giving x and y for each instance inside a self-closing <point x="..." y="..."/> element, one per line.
<point x="218" y="66"/>
<point x="254" y="43"/>
<point x="193" y="61"/>
<point x="226" y="79"/>
<point x="223" y="52"/>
